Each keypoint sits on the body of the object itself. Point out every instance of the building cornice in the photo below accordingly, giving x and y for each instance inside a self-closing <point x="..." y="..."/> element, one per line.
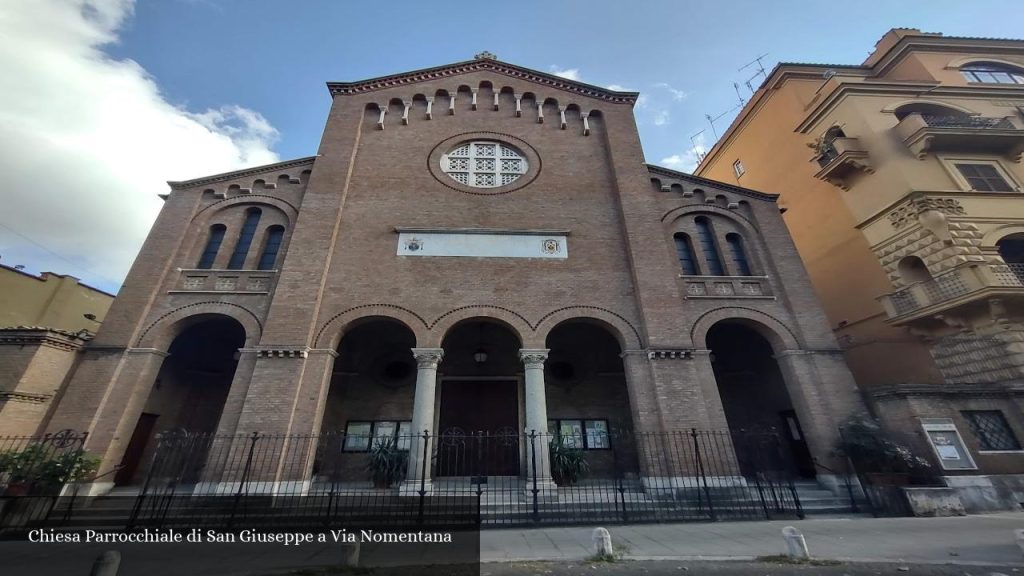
<point x="42" y="336"/>
<point x="256" y="170"/>
<point x="661" y="171"/>
<point x="478" y="65"/>
<point x="972" y="390"/>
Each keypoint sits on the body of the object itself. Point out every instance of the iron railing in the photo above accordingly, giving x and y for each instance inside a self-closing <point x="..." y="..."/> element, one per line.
<point x="461" y="479"/>
<point x="34" y="475"/>
<point x="937" y="121"/>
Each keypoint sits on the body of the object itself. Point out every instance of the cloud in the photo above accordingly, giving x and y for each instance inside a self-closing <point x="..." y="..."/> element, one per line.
<point x="568" y="74"/>
<point x="688" y="160"/>
<point x="661" y="118"/>
<point x="89" y="141"/>
<point x="677" y="95"/>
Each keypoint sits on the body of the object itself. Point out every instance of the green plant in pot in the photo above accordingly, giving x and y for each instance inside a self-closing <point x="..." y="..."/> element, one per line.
<point x="40" y="468"/>
<point x="568" y="464"/>
<point x="874" y="452"/>
<point x="387" y="463"/>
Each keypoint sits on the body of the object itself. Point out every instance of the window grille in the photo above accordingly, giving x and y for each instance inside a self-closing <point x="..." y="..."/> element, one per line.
<point x="270" y="249"/>
<point x="684" y="250"/>
<point x="707" y="245"/>
<point x="992" y="430"/>
<point x="484" y="164"/>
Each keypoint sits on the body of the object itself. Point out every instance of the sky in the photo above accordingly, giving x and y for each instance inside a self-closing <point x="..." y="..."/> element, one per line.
<point x="103" y="101"/>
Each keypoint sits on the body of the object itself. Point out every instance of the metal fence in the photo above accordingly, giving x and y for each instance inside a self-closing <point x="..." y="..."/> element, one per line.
<point x="34" y="474"/>
<point x="487" y="479"/>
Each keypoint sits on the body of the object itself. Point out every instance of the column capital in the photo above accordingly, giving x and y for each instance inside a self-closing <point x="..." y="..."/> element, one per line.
<point x="533" y="358"/>
<point x="427" y="357"/>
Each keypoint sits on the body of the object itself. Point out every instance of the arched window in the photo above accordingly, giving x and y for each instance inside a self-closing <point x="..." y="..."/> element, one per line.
<point x="707" y="246"/>
<point x="912" y="270"/>
<point x="986" y="73"/>
<point x="252" y="219"/>
<point x="738" y="255"/>
<point x="1011" y="248"/>
<point x="271" y="247"/>
<point x="684" y="250"/>
<point x="213" y="243"/>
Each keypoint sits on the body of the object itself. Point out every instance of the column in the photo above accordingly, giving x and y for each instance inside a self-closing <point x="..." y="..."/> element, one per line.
<point x="536" y="420"/>
<point x="418" y="479"/>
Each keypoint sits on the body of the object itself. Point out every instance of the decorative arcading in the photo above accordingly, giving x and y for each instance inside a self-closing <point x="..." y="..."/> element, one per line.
<point x="24" y="397"/>
<point x="42" y="336"/>
<point x="492" y="307"/>
<point x="152" y="325"/>
<point x="430" y="74"/>
<point x="319" y="334"/>
<point x="249" y="198"/>
<point x="755" y="315"/>
<point x="636" y="333"/>
<point x="533" y="326"/>
<point x="268" y="168"/>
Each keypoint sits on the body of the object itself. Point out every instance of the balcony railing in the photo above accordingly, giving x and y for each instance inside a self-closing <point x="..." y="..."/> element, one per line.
<point x="224" y="281"/>
<point x="925" y="133"/>
<point x="726" y="287"/>
<point x="953" y="288"/>
<point x="841" y="159"/>
<point x="966" y="122"/>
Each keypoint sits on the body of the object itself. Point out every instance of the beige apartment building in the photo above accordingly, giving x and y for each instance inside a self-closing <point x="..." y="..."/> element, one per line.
<point x="44" y="322"/>
<point x="901" y="183"/>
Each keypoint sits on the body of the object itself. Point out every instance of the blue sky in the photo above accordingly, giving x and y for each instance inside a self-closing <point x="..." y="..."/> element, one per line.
<point x="110" y="98"/>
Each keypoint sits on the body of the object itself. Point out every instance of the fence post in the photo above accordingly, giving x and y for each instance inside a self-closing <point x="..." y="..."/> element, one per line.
<point x="533" y="466"/>
<point x="700" y="470"/>
<point x="245" y="477"/>
<point x="621" y="489"/>
<point x="423" y="476"/>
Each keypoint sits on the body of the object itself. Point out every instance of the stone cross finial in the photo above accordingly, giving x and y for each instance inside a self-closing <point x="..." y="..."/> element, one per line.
<point x="485" y="55"/>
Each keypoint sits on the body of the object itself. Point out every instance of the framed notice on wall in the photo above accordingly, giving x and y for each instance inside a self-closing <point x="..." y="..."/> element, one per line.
<point x="947" y="443"/>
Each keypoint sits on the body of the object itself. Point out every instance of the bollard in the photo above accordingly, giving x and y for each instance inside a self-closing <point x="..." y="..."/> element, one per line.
<point x="350" y="554"/>
<point x="1019" y="536"/>
<point x="602" y="542"/>
<point x="106" y="564"/>
<point x="796" y="546"/>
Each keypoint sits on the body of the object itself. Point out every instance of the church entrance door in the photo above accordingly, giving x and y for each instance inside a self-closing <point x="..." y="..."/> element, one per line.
<point x="479" y="428"/>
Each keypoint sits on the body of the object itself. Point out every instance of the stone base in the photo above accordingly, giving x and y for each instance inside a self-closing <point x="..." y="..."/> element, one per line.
<point x="934" y="501"/>
<point x="546" y="489"/>
<point x="412" y="488"/>
<point x="991" y="493"/>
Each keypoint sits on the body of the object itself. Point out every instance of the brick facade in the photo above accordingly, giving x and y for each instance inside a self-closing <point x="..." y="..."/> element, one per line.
<point x="338" y="267"/>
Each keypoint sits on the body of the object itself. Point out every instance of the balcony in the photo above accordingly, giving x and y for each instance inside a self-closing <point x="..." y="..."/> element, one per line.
<point x="926" y="133"/>
<point x="711" y="287"/>
<point x="959" y="287"/>
<point x="202" y="281"/>
<point x="842" y="158"/>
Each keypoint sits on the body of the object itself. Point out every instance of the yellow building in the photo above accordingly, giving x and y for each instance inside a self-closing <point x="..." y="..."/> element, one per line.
<point x="44" y="321"/>
<point x="901" y="183"/>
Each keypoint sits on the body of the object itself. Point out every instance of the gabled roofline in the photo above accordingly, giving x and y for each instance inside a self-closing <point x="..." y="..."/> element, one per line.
<point x="438" y="72"/>
<point x="178" y="185"/>
<point x="661" y="170"/>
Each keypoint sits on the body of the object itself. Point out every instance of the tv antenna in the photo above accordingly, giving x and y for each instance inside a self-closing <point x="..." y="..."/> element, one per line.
<point x="760" y="71"/>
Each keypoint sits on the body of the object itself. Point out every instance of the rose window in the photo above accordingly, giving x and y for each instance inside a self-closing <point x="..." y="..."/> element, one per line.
<point x="484" y="164"/>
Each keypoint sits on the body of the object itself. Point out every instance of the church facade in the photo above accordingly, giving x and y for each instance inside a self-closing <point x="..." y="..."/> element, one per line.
<point x="476" y="247"/>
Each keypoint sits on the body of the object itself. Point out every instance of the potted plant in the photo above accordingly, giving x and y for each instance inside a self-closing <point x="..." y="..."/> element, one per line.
<point x="873" y="451"/>
<point x="68" y="467"/>
<point x="568" y="464"/>
<point x="21" y="467"/>
<point x="387" y="463"/>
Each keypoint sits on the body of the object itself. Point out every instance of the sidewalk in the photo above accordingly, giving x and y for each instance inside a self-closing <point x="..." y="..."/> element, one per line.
<point x="972" y="540"/>
<point x="985" y="539"/>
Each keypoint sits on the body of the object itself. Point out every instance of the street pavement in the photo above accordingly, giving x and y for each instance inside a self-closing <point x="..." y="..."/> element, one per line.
<point x="966" y="540"/>
<point x="976" y="545"/>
